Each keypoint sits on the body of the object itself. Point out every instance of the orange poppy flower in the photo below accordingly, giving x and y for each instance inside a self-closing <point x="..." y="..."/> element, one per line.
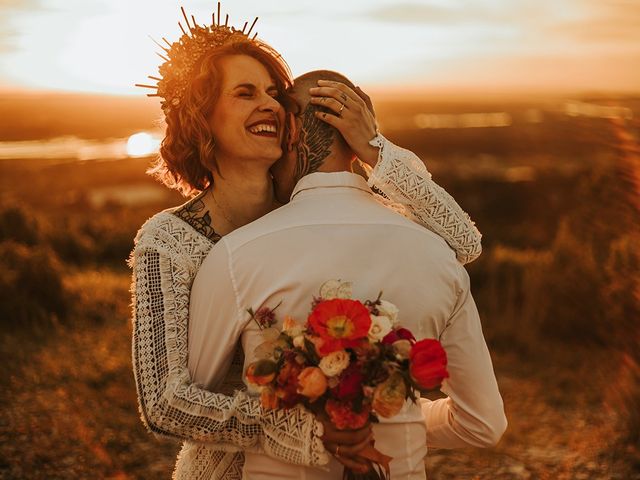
<point x="340" y="323"/>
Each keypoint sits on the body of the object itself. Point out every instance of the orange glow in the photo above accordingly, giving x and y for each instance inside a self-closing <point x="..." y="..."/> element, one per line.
<point x="485" y="44"/>
<point x="142" y="144"/>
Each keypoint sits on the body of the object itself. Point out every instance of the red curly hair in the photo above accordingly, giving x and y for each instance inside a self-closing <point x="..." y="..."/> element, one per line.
<point x="186" y="154"/>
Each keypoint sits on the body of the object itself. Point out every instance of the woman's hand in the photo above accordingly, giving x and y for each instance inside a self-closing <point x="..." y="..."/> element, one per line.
<point x="354" y="116"/>
<point x="346" y="444"/>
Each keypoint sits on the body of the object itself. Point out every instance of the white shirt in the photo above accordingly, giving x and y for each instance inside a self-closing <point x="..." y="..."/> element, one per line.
<point x="333" y="228"/>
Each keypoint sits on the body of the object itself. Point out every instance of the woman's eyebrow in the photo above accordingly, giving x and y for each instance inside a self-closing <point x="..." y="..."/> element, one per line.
<point x="251" y="86"/>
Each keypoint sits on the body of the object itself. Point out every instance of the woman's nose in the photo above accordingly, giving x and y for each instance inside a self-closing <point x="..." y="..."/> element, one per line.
<point x="270" y="104"/>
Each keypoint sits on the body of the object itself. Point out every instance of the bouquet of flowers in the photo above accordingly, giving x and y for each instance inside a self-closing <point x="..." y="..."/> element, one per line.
<point x="351" y="359"/>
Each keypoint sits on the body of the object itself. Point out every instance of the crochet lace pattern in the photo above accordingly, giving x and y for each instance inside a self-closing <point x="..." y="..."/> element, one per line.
<point x="167" y="254"/>
<point x="404" y="179"/>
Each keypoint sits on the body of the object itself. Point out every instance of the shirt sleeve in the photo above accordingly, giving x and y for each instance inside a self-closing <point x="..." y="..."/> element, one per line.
<point x="403" y="178"/>
<point x="473" y="412"/>
<point x="171" y="404"/>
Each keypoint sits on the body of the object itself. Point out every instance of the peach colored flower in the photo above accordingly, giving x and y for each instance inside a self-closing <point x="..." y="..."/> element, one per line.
<point x="389" y="396"/>
<point x="292" y="327"/>
<point x="402" y="349"/>
<point x="312" y="383"/>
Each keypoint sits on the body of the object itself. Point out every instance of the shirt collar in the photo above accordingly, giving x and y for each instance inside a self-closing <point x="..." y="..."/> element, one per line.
<point x="330" y="180"/>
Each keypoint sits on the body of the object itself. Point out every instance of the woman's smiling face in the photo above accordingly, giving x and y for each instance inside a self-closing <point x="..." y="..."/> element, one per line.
<point x="247" y="120"/>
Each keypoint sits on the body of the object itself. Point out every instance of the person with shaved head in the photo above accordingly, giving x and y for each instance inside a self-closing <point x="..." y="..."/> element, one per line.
<point x="334" y="226"/>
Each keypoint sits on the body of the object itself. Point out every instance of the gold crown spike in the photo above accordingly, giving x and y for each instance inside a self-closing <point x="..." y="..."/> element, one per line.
<point x="181" y="56"/>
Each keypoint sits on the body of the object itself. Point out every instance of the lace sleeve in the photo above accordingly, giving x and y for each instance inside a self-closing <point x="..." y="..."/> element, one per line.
<point x="403" y="178"/>
<point x="170" y="403"/>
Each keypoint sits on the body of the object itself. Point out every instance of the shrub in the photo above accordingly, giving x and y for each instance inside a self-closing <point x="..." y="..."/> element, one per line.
<point x="31" y="288"/>
<point x="573" y="305"/>
<point x="623" y="300"/>
<point x="510" y="296"/>
<point x="18" y="224"/>
<point x="71" y="243"/>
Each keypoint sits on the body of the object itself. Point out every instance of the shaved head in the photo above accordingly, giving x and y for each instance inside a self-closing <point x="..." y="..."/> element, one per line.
<point x="316" y="139"/>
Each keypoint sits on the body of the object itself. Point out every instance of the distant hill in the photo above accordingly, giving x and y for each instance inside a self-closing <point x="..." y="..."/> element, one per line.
<point x="34" y="116"/>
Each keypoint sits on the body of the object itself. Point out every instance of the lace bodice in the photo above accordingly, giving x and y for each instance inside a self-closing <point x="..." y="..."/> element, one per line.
<point x="167" y="255"/>
<point x="219" y="426"/>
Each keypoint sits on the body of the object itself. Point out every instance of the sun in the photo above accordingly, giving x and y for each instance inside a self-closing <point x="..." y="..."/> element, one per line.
<point x="142" y="144"/>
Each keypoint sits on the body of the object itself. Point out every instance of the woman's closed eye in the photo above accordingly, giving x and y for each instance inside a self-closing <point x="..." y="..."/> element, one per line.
<point x="249" y="94"/>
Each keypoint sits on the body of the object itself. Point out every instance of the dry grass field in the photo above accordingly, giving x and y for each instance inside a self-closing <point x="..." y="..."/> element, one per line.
<point x="556" y="196"/>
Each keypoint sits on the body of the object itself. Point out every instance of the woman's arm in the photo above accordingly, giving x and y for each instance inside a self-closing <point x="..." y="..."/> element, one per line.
<point x="403" y="178"/>
<point x="397" y="173"/>
<point x="170" y="404"/>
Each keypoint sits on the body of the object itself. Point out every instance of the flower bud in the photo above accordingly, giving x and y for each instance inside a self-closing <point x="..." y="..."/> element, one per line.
<point x="261" y="372"/>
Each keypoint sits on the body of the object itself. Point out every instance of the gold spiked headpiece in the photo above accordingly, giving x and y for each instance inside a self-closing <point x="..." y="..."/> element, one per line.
<point x="180" y="57"/>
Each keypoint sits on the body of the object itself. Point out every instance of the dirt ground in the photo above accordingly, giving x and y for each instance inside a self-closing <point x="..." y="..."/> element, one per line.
<point x="69" y="409"/>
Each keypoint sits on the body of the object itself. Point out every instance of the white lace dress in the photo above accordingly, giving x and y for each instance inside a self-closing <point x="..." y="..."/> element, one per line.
<point x="217" y="427"/>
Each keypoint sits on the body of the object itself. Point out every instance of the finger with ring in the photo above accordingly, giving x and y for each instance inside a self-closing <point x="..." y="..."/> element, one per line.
<point x="338" y="88"/>
<point x="337" y="454"/>
<point x="343" y="93"/>
<point x="340" y="111"/>
<point x="331" y="103"/>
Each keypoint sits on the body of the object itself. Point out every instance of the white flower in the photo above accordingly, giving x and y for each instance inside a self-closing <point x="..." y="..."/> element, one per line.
<point x="380" y="326"/>
<point x="292" y="327"/>
<point x="334" y="363"/>
<point x="388" y="309"/>
<point x="298" y="341"/>
<point x="335" y="289"/>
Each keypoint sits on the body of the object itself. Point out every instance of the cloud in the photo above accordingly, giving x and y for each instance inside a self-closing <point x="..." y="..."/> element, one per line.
<point x="9" y="9"/>
<point x="418" y="13"/>
<point x="563" y="72"/>
<point x="601" y="30"/>
<point x="464" y="11"/>
<point x="604" y="21"/>
<point x="17" y="5"/>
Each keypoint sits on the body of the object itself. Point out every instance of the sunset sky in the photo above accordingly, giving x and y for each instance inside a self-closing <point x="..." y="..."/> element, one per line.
<point x="103" y="45"/>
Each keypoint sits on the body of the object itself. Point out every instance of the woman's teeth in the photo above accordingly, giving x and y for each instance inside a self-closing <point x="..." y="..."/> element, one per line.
<point x="263" y="128"/>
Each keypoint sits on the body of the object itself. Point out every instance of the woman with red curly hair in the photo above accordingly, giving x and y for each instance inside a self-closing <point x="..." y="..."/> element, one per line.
<point x="224" y="96"/>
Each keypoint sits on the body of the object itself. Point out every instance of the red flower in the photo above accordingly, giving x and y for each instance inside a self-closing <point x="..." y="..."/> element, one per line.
<point x="428" y="363"/>
<point x="343" y="415"/>
<point x="340" y="323"/>
<point x="398" y="334"/>
<point x="350" y="385"/>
